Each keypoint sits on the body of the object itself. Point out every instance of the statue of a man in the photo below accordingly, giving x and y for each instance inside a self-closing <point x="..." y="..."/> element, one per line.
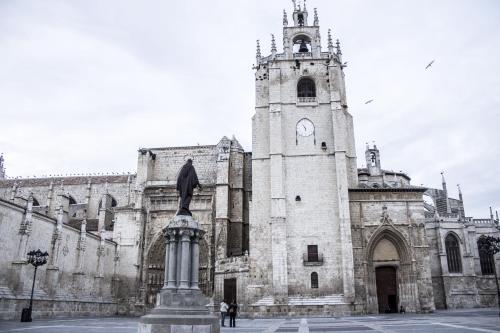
<point x="186" y="182"/>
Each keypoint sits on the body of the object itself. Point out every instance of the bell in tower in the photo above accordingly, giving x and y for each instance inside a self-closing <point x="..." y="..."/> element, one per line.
<point x="301" y="19"/>
<point x="303" y="47"/>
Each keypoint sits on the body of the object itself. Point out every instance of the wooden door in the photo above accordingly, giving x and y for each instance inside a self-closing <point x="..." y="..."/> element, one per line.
<point x="387" y="289"/>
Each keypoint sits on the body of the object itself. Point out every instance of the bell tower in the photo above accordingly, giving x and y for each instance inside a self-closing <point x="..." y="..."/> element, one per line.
<point x="303" y="163"/>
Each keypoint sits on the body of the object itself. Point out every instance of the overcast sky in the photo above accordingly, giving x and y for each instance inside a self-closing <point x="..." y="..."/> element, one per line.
<point x="84" y="84"/>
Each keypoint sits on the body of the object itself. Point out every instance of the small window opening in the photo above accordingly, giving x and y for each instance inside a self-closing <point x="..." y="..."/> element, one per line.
<point x="314" y="280"/>
<point x="72" y="200"/>
<point x="312" y="253"/>
<point x="298" y="198"/>
<point x="323" y="145"/>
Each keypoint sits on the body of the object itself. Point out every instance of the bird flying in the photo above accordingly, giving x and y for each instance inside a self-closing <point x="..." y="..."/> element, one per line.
<point x="429" y="64"/>
<point x="369" y="101"/>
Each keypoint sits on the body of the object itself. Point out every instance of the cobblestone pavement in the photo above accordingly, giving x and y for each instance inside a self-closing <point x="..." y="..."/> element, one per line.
<point x="458" y="321"/>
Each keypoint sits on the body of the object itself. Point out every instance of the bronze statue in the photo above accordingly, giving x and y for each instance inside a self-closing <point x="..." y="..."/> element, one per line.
<point x="186" y="182"/>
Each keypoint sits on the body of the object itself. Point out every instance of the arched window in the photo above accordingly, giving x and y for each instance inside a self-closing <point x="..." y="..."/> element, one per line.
<point x="35" y="202"/>
<point x="72" y="200"/>
<point x="306" y="88"/>
<point x="453" y="254"/>
<point x="314" y="280"/>
<point x="487" y="261"/>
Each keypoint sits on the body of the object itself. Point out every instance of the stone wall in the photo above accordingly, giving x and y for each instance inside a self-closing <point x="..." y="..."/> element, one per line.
<point x="469" y="287"/>
<point x="395" y="216"/>
<point x="78" y="279"/>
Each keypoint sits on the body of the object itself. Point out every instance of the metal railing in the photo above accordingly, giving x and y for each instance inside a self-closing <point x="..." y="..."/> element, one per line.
<point x="312" y="260"/>
<point x="307" y="100"/>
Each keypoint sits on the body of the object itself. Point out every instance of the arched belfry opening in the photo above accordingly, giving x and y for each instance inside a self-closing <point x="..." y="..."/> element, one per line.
<point x="390" y="276"/>
<point x="302" y="44"/>
<point x="155" y="269"/>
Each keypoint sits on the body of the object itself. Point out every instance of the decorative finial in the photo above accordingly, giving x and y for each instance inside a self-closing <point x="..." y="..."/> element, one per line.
<point x="305" y="9"/>
<point x="294" y="4"/>
<point x="459" y="189"/>
<point x="285" y="18"/>
<point x="273" y="44"/>
<point x="2" y="168"/>
<point x="258" y="49"/>
<point x="330" y="40"/>
<point x="316" y="19"/>
<point x="338" y="47"/>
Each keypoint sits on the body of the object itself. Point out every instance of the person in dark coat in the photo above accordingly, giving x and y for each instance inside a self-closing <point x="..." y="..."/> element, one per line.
<point x="233" y="310"/>
<point x="186" y="182"/>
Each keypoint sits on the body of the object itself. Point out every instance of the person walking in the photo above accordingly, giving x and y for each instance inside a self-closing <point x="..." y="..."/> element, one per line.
<point x="223" y="312"/>
<point x="233" y="310"/>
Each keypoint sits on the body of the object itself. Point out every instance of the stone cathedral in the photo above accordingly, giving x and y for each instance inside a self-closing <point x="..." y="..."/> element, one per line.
<point x="293" y="227"/>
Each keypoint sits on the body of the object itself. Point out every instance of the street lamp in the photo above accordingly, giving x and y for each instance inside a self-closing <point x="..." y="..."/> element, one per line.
<point x="36" y="258"/>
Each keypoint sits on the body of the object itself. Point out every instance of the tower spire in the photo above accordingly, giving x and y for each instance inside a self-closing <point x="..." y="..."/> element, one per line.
<point x="443" y="181"/>
<point x="445" y="190"/>
<point x="330" y="41"/>
<point x="285" y="19"/>
<point x="461" y="204"/>
<point x="257" y="55"/>
<point x="339" y="52"/>
<point x="273" y="45"/>
<point x="316" y="19"/>
<point x="2" y="167"/>
<point x="294" y="4"/>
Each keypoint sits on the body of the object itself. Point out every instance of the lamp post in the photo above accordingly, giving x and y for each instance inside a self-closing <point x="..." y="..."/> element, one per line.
<point x="36" y="258"/>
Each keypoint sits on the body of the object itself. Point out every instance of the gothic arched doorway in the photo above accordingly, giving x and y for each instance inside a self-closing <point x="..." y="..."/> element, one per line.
<point x="156" y="269"/>
<point x="386" y="261"/>
<point x="390" y="280"/>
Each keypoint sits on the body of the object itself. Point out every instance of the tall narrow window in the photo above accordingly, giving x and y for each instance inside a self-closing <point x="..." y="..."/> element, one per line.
<point x="306" y="88"/>
<point x="312" y="253"/>
<point x="487" y="261"/>
<point x="314" y="280"/>
<point x="453" y="254"/>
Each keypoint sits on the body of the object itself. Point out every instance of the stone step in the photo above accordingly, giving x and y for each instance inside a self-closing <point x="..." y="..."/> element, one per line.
<point x="269" y="300"/>
<point x="305" y="300"/>
<point x="322" y="300"/>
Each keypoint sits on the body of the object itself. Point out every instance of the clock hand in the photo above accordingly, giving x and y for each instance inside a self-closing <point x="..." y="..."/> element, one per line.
<point x="305" y="129"/>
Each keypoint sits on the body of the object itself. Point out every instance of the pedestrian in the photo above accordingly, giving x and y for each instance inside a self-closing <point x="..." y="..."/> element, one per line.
<point x="223" y="312"/>
<point x="402" y="310"/>
<point x="233" y="310"/>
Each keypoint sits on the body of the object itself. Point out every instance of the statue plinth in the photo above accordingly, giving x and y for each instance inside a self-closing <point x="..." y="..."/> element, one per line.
<point x="180" y="305"/>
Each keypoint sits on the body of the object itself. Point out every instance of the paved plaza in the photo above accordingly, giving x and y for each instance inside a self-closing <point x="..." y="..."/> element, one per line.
<point x="478" y="320"/>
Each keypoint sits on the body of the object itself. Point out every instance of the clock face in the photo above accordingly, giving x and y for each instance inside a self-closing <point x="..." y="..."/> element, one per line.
<point x="305" y="127"/>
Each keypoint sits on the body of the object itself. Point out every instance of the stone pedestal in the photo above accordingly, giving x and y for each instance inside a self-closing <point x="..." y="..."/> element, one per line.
<point x="181" y="307"/>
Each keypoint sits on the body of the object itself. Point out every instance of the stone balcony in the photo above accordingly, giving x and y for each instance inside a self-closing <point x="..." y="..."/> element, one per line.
<point x="312" y="260"/>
